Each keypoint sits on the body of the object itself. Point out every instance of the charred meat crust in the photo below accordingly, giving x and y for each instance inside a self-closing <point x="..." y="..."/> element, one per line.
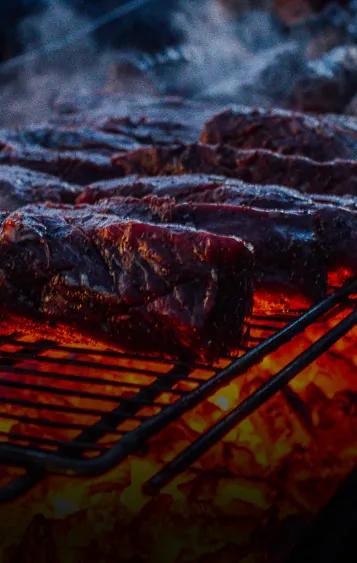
<point x="19" y="186"/>
<point x="143" y="287"/>
<point x="282" y="132"/>
<point x="256" y="166"/>
<point x="70" y="166"/>
<point x="289" y="254"/>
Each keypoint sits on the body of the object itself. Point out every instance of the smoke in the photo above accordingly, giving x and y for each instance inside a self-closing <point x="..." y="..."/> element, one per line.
<point x="31" y="88"/>
<point x="243" y="59"/>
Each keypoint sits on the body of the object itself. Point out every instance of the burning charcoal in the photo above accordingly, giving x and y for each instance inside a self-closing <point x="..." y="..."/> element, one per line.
<point x="37" y="543"/>
<point x="160" y="290"/>
<point x="282" y="132"/>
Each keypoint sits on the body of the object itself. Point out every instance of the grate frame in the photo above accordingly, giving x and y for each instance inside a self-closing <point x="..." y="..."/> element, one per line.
<point x="68" y="457"/>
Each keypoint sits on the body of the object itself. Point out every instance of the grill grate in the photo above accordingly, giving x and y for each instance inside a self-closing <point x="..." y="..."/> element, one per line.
<point x="79" y="411"/>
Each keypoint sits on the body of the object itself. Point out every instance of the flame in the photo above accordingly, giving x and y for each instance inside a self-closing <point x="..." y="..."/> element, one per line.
<point x="254" y="490"/>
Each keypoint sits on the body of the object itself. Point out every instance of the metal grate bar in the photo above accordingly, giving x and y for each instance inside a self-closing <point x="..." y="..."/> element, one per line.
<point x="249" y="405"/>
<point x="63" y="408"/>
<point x="139" y="400"/>
<point x="53" y="424"/>
<point x="108" y="421"/>
<point x="45" y="345"/>
<point x="150" y="392"/>
<point x="80" y="363"/>
<point x="47" y="441"/>
<point x="77" y="379"/>
<point x="67" y="460"/>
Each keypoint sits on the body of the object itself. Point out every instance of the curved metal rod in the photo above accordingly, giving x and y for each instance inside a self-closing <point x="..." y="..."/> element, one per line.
<point x="70" y="465"/>
<point x="249" y="405"/>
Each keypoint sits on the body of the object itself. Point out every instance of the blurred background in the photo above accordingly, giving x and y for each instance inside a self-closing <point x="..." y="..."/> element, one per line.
<point x="148" y="27"/>
<point x="296" y="54"/>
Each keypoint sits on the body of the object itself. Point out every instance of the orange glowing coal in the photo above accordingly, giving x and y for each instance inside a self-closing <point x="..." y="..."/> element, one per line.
<point x="247" y="499"/>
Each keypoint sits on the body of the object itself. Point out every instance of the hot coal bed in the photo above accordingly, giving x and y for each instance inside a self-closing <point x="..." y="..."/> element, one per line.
<point x="178" y="333"/>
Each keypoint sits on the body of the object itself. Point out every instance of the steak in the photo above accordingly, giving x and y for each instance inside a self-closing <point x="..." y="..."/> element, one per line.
<point x="198" y="188"/>
<point x="147" y="288"/>
<point x="70" y="166"/>
<point x="201" y="188"/>
<point x="60" y="138"/>
<point x="213" y="189"/>
<point x="297" y="239"/>
<point x="149" y="121"/>
<point x="19" y="187"/>
<point x="282" y="132"/>
<point x="136" y="186"/>
<point x="257" y="166"/>
<point x="338" y="230"/>
<point x="289" y="254"/>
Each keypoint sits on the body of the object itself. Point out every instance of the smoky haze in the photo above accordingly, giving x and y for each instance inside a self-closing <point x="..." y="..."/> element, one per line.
<point x="244" y="59"/>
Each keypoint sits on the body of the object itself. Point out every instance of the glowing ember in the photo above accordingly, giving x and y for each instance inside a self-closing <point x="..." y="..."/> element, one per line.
<point x="246" y="499"/>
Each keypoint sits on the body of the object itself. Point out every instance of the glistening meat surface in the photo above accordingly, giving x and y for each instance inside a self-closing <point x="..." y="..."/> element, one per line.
<point x="282" y="132"/>
<point x="289" y="255"/>
<point x="206" y="189"/>
<point x="136" y="186"/>
<point x="19" y="186"/>
<point x="61" y="138"/>
<point x="328" y="220"/>
<point x="257" y="166"/>
<point x="70" y="166"/>
<point x="146" y="288"/>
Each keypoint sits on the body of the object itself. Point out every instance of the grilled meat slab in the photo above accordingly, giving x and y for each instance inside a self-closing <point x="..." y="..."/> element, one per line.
<point x="149" y="121"/>
<point x="201" y="188"/>
<point x="80" y="155"/>
<point x="146" y="288"/>
<point x="282" y="132"/>
<point x="19" y="187"/>
<point x="70" y="166"/>
<point x="257" y="166"/>
<point x="174" y="186"/>
<point x="60" y="138"/>
<point x="289" y="256"/>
